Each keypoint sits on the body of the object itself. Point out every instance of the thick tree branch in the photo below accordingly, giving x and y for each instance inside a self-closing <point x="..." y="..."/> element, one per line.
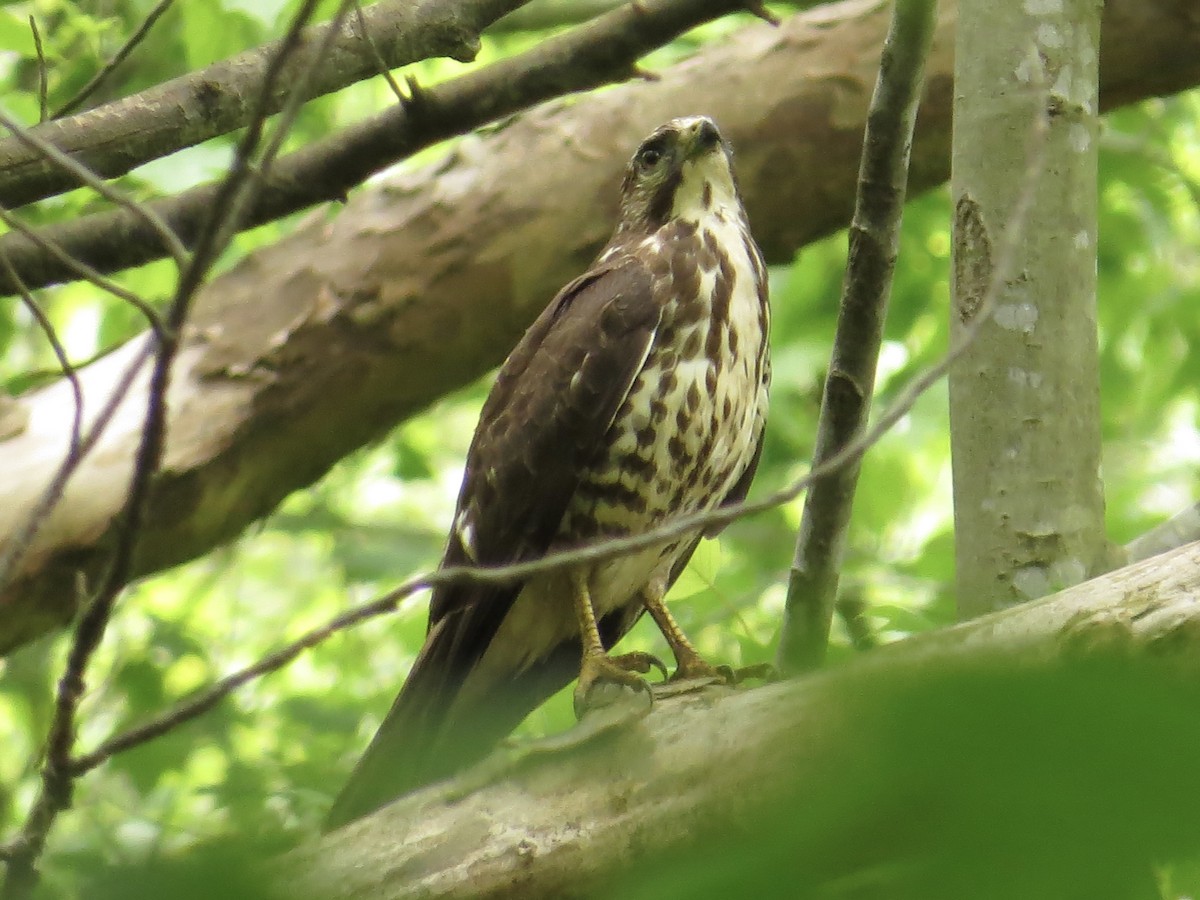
<point x="318" y="344"/>
<point x="1049" y="697"/>
<point x="119" y="136"/>
<point x="598" y="53"/>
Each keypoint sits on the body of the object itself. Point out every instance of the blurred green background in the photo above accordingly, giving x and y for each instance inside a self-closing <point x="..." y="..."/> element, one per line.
<point x="267" y="760"/>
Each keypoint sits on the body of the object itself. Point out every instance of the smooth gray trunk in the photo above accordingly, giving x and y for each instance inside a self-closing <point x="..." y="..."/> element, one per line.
<point x="1024" y="401"/>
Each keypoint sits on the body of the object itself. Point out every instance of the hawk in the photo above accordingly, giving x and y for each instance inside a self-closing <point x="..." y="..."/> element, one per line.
<point x="639" y="394"/>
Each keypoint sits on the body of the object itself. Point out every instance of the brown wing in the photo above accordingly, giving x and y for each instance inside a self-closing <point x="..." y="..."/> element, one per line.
<point x="543" y="423"/>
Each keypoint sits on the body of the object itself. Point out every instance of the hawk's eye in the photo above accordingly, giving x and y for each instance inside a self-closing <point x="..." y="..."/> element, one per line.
<point x="650" y="155"/>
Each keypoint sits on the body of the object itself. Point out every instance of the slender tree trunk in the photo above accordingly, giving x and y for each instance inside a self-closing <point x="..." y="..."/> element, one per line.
<point x="1024" y="402"/>
<point x="850" y="384"/>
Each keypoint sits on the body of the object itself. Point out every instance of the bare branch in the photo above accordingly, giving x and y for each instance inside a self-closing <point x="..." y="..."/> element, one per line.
<point x="243" y="181"/>
<point x="81" y="269"/>
<point x="600" y="52"/>
<point x="81" y="174"/>
<point x="41" y="64"/>
<point x="1182" y="528"/>
<point x="117" y="58"/>
<point x="204" y="700"/>
<point x="850" y="383"/>
<point x="117" y="137"/>
<point x="380" y="62"/>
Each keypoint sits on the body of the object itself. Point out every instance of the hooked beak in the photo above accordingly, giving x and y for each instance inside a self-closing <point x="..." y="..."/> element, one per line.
<point x="700" y="137"/>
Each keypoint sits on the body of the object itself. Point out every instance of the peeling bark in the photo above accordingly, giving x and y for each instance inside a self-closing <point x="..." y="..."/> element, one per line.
<point x="311" y="347"/>
<point x="566" y="820"/>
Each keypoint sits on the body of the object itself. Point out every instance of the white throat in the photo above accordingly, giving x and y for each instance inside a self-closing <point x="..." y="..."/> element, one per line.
<point x="706" y="189"/>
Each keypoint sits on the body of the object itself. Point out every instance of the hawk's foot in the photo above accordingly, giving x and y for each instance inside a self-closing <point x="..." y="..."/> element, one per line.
<point x="599" y="673"/>
<point x="691" y="666"/>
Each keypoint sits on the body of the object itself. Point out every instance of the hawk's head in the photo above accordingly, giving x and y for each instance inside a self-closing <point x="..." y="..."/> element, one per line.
<point x="682" y="170"/>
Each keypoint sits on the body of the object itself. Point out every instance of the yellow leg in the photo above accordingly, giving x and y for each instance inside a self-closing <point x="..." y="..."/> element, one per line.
<point x="598" y="666"/>
<point x="689" y="663"/>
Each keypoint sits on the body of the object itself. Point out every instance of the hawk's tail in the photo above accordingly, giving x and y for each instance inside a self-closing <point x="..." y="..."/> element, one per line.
<point x="429" y="733"/>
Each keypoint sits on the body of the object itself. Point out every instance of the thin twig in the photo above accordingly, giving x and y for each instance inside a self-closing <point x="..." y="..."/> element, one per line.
<point x="82" y="269"/>
<point x="374" y="50"/>
<point x="204" y="700"/>
<point x="109" y="67"/>
<point x="41" y="63"/>
<point x="247" y="180"/>
<point x="60" y="353"/>
<point x="850" y="383"/>
<point x="87" y="177"/>
<point x="21" y="852"/>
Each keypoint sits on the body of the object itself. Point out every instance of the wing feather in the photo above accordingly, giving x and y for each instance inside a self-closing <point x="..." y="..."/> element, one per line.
<point x="545" y="421"/>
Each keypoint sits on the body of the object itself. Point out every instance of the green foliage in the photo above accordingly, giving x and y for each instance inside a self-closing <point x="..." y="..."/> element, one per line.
<point x="267" y="760"/>
<point x="972" y="779"/>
